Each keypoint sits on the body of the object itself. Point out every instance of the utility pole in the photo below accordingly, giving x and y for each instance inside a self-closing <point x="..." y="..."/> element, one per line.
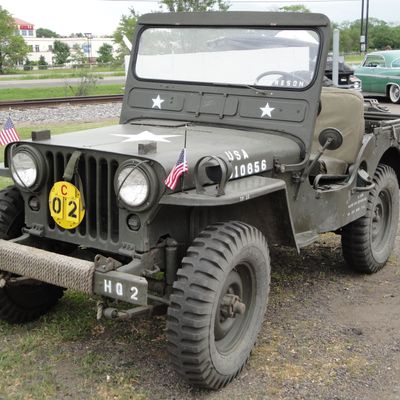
<point x="364" y="27"/>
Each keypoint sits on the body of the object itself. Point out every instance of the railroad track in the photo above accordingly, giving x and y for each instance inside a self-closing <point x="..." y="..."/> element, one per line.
<point x="60" y="100"/>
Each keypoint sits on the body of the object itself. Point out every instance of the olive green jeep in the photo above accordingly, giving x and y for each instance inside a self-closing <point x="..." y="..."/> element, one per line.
<point x="228" y="143"/>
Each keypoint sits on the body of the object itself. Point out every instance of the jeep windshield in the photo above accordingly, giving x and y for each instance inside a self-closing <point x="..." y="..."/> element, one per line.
<point x="229" y="56"/>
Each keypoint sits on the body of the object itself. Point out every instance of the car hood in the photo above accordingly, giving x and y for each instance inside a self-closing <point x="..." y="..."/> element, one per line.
<point x="249" y="151"/>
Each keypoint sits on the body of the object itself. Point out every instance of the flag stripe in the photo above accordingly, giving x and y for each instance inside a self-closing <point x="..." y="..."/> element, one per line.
<point x="174" y="175"/>
<point x="9" y="134"/>
<point x="179" y="168"/>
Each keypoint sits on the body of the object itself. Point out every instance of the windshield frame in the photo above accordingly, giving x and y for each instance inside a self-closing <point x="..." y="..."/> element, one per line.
<point x="143" y="28"/>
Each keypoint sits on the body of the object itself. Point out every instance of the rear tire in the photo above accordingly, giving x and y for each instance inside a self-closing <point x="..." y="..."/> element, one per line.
<point x="368" y="242"/>
<point x="394" y="93"/>
<point x="22" y="302"/>
<point x="218" y="304"/>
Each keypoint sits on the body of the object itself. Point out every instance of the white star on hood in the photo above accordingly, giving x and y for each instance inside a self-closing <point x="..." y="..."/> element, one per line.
<point x="146" y="136"/>
<point x="266" y="111"/>
<point x="157" y="102"/>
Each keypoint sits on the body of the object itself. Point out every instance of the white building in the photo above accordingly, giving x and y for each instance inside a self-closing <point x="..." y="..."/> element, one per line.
<point x="44" y="46"/>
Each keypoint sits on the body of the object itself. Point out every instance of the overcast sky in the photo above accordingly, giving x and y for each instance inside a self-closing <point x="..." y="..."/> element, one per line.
<point x="102" y="16"/>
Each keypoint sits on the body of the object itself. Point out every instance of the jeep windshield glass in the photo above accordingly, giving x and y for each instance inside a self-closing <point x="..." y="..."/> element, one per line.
<point x="234" y="56"/>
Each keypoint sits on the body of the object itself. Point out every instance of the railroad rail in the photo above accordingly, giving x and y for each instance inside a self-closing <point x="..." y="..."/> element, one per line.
<point x="60" y="100"/>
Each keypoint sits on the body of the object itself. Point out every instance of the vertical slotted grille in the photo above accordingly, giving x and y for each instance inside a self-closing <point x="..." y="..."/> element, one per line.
<point x="101" y="221"/>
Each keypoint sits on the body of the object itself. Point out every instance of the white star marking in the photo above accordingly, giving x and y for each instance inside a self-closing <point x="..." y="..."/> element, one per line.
<point x="146" y="136"/>
<point x="266" y="111"/>
<point x="157" y="102"/>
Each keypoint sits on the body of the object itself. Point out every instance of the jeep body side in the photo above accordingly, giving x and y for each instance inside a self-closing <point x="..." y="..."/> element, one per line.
<point x="227" y="144"/>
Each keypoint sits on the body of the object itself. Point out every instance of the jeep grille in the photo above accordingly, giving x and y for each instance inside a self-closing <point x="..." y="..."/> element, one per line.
<point x="101" y="220"/>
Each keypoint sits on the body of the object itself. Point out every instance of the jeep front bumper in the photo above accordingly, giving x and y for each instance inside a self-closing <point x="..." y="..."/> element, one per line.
<point x="71" y="273"/>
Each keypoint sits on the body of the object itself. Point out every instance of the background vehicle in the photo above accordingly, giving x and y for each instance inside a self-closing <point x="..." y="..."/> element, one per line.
<point x="346" y="75"/>
<point x="220" y="153"/>
<point x="380" y="74"/>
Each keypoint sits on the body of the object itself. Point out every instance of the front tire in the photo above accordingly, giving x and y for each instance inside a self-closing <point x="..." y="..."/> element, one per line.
<point x="394" y="93"/>
<point x="21" y="302"/>
<point x="11" y="213"/>
<point x="368" y="242"/>
<point x="218" y="304"/>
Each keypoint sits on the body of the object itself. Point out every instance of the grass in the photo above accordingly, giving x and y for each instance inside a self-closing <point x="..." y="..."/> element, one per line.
<point x="55" y="357"/>
<point x="353" y="58"/>
<point x="52" y="92"/>
<point x="51" y="75"/>
<point x="60" y="71"/>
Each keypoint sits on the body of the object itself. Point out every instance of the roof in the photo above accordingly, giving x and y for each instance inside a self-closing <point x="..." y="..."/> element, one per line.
<point x="390" y="54"/>
<point x="22" y="22"/>
<point x="236" y="18"/>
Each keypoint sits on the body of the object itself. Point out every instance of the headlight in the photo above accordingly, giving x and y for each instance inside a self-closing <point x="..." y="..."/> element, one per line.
<point x="24" y="169"/>
<point x="133" y="186"/>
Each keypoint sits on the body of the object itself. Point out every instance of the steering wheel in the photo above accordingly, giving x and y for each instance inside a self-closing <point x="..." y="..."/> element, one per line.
<point x="285" y="75"/>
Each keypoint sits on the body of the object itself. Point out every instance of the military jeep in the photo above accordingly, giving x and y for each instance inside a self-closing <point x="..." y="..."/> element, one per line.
<point x="227" y="144"/>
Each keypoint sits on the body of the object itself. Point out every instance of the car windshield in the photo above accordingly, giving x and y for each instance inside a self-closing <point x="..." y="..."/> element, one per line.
<point x="234" y="56"/>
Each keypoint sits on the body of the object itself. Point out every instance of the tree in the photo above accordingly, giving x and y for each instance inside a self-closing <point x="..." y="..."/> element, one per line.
<point x="13" y="49"/>
<point x="46" y="33"/>
<point x="126" y="28"/>
<point x="195" y="5"/>
<point x="61" y="52"/>
<point x="78" y="56"/>
<point x="106" y="53"/>
<point x="296" y="8"/>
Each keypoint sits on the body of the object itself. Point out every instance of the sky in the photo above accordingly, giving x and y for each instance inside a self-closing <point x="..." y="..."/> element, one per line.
<point x="101" y="17"/>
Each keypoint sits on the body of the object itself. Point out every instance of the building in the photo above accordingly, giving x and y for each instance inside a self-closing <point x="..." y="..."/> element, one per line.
<point x="38" y="47"/>
<point x="25" y="29"/>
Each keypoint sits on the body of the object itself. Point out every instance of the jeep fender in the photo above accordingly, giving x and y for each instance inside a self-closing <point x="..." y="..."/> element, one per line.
<point x="256" y="200"/>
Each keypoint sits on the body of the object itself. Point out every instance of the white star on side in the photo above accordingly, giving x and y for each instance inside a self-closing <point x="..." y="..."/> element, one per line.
<point x="157" y="102"/>
<point x="146" y="136"/>
<point x="266" y="111"/>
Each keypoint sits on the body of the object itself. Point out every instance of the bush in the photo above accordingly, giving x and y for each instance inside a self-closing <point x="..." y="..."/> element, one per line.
<point x="42" y="63"/>
<point x="87" y="82"/>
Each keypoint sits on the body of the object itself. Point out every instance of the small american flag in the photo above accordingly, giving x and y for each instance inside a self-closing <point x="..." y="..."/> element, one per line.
<point x="9" y="133"/>
<point x="180" y="168"/>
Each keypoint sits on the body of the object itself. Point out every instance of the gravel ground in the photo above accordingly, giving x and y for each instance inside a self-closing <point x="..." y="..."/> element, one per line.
<point x="62" y="114"/>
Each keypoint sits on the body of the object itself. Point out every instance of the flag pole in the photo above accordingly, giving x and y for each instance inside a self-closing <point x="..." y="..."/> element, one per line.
<point x="184" y="160"/>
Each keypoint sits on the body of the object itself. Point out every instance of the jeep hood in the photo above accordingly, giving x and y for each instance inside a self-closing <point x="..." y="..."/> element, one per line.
<point x="247" y="150"/>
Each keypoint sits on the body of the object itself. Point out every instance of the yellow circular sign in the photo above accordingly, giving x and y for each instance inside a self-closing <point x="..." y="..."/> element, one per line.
<point x="65" y="205"/>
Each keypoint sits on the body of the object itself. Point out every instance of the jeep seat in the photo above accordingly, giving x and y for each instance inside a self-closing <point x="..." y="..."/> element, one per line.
<point x="342" y="109"/>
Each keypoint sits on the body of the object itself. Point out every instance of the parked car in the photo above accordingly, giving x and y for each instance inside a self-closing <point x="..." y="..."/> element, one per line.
<point x="346" y="75"/>
<point x="380" y="74"/>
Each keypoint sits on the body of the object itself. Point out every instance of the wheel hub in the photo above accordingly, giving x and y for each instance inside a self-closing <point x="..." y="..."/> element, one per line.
<point x="380" y="220"/>
<point x="231" y="305"/>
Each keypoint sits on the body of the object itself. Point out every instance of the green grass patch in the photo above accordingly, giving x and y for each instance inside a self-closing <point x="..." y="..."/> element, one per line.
<point x="51" y="75"/>
<point x="353" y="58"/>
<point x="65" y="354"/>
<point x="60" y="71"/>
<point x="54" y="92"/>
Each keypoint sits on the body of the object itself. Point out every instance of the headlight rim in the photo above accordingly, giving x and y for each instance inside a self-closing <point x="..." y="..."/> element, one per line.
<point x="151" y="179"/>
<point x="39" y="164"/>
